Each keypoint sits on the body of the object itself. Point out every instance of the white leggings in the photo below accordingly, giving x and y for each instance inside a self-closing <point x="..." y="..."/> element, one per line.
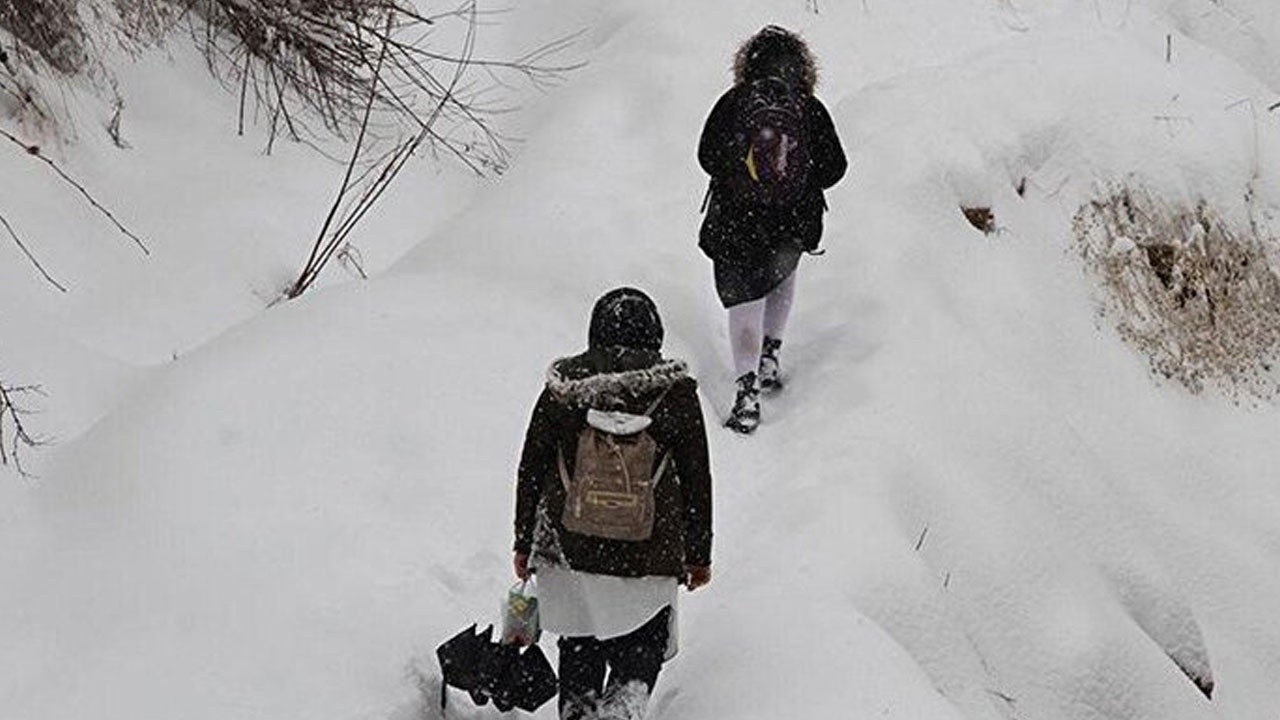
<point x="750" y="322"/>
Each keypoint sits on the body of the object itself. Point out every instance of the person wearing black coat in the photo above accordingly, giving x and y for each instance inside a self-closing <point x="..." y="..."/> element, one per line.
<point x="612" y="601"/>
<point x="756" y="248"/>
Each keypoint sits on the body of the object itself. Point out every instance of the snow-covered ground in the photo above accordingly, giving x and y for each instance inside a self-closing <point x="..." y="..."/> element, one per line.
<point x="972" y="500"/>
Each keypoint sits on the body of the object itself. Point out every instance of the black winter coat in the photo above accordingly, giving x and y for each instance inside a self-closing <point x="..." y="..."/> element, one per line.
<point x="608" y="379"/>
<point x="757" y="247"/>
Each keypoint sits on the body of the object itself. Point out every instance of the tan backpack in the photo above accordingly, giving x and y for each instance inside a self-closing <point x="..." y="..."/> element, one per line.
<point x="610" y="494"/>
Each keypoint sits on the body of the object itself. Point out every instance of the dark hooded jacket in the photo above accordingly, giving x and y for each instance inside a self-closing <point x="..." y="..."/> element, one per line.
<point x="622" y="369"/>
<point x="757" y="247"/>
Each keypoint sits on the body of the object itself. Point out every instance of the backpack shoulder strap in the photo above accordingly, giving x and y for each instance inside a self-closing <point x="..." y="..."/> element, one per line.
<point x="666" y="457"/>
<point x="654" y="405"/>
<point x="662" y="468"/>
<point x="563" y="469"/>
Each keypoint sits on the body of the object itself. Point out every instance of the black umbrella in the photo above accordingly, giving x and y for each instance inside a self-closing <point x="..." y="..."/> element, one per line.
<point x="489" y="670"/>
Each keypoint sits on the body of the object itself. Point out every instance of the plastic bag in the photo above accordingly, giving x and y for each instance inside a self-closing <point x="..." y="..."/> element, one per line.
<point x="520" y="626"/>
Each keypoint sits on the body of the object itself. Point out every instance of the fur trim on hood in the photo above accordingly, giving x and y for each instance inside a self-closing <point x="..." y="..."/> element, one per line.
<point x="609" y="390"/>
<point x="767" y="43"/>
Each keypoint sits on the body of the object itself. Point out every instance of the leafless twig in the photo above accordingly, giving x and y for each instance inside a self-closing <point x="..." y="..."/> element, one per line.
<point x="920" y="541"/>
<point x="11" y="415"/>
<point x="356" y="198"/>
<point x="320" y="54"/>
<point x="23" y="247"/>
<point x="34" y="151"/>
<point x="312" y="267"/>
<point x="113" y="126"/>
<point x="353" y="260"/>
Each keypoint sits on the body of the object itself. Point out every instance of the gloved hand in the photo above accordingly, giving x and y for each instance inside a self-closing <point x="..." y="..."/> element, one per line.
<point x="695" y="576"/>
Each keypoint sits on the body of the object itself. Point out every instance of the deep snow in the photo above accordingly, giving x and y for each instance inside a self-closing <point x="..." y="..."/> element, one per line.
<point x="972" y="501"/>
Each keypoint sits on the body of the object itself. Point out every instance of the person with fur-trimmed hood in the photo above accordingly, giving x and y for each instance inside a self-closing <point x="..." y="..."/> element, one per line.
<point x="609" y="557"/>
<point x="771" y="150"/>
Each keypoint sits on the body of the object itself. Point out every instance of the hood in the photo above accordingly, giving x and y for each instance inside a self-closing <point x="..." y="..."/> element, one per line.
<point x="625" y="317"/>
<point x="610" y="389"/>
<point x="762" y="53"/>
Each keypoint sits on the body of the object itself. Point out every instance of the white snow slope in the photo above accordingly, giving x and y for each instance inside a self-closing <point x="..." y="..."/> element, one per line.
<point x="971" y="501"/>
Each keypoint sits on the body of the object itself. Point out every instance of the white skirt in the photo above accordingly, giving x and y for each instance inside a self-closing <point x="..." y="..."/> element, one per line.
<point x="572" y="603"/>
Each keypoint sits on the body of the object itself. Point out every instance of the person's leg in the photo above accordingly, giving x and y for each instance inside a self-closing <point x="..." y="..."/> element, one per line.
<point x="746" y="321"/>
<point x="582" y="671"/>
<point x="746" y="326"/>
<point x="777" y="307"/>
<point x="635" y="659"/>
<point x="777" y="310"/>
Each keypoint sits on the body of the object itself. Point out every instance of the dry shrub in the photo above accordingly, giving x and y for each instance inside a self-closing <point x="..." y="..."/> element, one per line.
<point x="1198" y="298"/>
<point x="981" y="218"/>
<point x="295" y="63"/>
<point x="396" y="79"/>
<point x="318" y="54"/>
<point x="38" y="38"/>
<point x="295" y="60"/>
<point x="44" y="31"/>
<point x="143" y="23"/>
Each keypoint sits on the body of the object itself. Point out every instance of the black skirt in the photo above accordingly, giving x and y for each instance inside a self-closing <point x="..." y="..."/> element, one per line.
<point x="743" y="282"/>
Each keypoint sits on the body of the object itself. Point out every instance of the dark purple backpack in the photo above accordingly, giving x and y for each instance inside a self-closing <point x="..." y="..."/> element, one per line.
<point x="775" y="167"/>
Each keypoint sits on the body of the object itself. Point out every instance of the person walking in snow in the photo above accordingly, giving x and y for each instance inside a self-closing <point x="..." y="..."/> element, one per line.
<point x="771" y="150"/>
<point x="613" y="507"/>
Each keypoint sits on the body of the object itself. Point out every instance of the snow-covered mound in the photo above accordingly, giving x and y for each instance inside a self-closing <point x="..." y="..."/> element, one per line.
<point x="972" y="501"/>
<point x="227" y="226"/>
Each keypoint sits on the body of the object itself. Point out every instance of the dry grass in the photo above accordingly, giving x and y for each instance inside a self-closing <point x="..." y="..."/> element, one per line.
<point x="143" y="23"/>
<point x="295" y="61"/>
<point x="1200" y="300"/>
<point x="304" y="68"/>
<point x="44" y="31"/>
<point x="398" y="79"/>
<point x="981" y="218"/>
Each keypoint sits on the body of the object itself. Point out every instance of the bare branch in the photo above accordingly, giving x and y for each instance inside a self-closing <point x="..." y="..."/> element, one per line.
<point x="321" y="55"/>
<point x="23" y="247"/>
<point x="310" y="268"/>
<point x="34" y="151"/>
<point x="391" y="164"/>
<point x="11" y="415"/>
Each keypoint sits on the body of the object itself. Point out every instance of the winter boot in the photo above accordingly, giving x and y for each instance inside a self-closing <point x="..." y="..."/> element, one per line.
<point x="625" y="702"/>
<point x="746" y="407"/>
<point x="770" y="372"/>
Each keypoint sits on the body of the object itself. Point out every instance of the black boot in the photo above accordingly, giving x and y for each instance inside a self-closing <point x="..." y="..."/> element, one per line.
<point x="745" y="417"/>
<point x="770" y="371"/>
